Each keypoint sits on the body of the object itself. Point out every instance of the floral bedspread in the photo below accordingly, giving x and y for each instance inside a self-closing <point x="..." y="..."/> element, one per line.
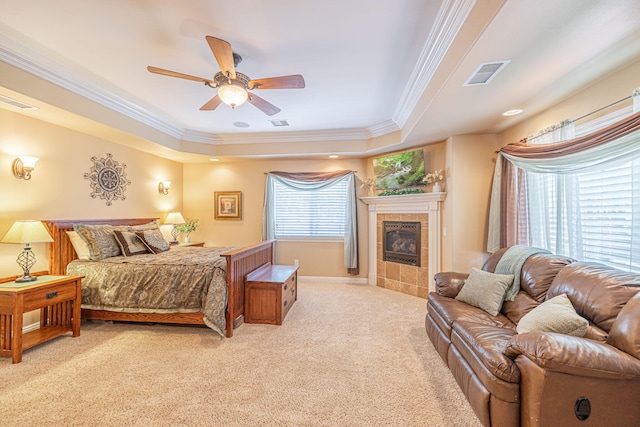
<point x="182" y="279"/>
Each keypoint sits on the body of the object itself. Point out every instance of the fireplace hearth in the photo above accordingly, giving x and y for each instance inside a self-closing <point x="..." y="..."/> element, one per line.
<point x="401" y="242"/>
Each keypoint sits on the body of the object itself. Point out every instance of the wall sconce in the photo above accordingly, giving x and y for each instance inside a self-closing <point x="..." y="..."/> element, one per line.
<point x="163" y="187"/>
<point x="27" y="232"/>
<point x="23" y="166"/>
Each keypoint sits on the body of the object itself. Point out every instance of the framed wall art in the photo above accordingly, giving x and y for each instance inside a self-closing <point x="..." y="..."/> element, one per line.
<point x="228" y="204"/>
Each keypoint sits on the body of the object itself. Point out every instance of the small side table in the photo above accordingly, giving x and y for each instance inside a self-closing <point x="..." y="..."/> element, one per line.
<point x="57" y="297"/>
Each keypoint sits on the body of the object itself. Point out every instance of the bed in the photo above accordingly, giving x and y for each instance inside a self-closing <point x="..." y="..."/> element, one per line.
<point x="236" y="265"/>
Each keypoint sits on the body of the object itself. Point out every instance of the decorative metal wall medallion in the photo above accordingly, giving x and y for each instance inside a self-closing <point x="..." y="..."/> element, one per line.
<point x="108" y="179"/>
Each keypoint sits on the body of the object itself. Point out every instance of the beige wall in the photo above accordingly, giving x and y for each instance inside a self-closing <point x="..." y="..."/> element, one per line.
<point x="470" y="165"/>
<point x="201" y="181"/>
<point x="58" y="189"/>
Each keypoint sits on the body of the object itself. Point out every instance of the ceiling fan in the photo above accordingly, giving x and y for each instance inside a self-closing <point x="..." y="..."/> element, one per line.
<point x="233" y="87"/>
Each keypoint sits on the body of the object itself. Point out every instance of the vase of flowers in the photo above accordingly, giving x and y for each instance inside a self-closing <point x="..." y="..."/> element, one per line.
<point x="187" y="228"/>
<point x="435" y="178"/>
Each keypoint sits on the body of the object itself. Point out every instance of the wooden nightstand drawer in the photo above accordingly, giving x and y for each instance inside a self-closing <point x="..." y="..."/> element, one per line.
<point x="57" y="297"/>
<point x="269" y="293"/>
<point x="49" y="296"/>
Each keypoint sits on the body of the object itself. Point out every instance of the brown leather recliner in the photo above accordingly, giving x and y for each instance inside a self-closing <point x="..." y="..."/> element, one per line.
<point x="544" y="378"/>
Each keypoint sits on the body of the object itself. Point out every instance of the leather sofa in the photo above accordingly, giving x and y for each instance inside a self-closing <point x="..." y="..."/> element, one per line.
<point x="544" y="378"/>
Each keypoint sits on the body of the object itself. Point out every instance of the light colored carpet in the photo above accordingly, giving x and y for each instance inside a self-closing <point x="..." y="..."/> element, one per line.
<point x="346" y="355"/>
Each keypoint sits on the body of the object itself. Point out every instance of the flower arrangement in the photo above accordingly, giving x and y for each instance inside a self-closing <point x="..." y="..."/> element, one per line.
<point x="434" y="177"/>
<point x="188" y="227"/>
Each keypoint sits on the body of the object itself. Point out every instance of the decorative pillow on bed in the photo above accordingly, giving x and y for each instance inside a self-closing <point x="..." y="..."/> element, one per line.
<point x="79" y="245"/>
<point x="130" y="243"/>
<point x="154" y="240"/>
<point x="554" y="315"/>
<point x="485" y="290"/>
<point x="142" y="227"/>
<point x="100" y="240"/>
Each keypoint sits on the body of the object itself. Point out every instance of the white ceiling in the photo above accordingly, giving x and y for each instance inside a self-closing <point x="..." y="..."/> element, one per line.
<point x="371" y="67"/>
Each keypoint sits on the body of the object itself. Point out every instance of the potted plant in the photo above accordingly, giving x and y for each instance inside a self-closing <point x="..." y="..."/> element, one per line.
<point x="187" y="228"/>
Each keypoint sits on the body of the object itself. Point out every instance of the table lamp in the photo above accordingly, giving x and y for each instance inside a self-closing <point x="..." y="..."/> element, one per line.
<point x="27" y="232"/>
<point x="174" y="218"/>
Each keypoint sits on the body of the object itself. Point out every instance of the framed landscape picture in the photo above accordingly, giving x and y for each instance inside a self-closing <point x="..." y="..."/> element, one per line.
<point x="401" y="170"/>
<point x="228" y="204"/>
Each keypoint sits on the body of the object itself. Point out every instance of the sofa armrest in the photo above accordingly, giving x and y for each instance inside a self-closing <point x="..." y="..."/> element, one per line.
<point x="449" y="283"/>
<point x="574" y="355"/>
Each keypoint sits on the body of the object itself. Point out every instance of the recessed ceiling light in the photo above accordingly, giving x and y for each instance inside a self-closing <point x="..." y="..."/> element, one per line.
<point x="333" y="156"/>
<point x="513" y="112"/>
<point x="241" y="124"/>
<point x="214" y="160"/>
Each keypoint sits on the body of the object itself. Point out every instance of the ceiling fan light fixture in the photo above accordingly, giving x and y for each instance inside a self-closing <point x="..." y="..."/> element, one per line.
<point x="233" y="93"/>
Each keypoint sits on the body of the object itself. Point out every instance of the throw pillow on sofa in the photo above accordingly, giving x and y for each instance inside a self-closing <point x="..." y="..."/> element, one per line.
<point x="554" y="315"/>
<point x="485" y="290"/>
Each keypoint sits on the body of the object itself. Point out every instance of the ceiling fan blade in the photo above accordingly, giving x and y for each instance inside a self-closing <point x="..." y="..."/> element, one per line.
<point x="262" y="105"/>
<point x="224" y="55"/>
<point x="156" y="70"/>
<point x="295" y="81"/>
<point x="212" y="104"/>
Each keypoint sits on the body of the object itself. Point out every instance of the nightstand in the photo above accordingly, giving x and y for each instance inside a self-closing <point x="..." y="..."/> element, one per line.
<point x="57" y="297"/>
<point x="200" y="244"/>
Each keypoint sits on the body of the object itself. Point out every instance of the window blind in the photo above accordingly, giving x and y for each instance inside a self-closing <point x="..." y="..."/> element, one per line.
<point x="317" y="213"/>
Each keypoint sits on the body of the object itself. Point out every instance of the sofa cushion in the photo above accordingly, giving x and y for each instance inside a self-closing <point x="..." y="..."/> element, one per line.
<point x="521" y="305"/>
<point x="485" y="290"/>
<point x="538" y="273"/>
<point x="554" y="315"/>
<point x="597" y="292"/>
<point x="625" y="332"/>
<point x="445" y="311"/>
<point x="449" y="283"/>
<point x="486" y="344"/>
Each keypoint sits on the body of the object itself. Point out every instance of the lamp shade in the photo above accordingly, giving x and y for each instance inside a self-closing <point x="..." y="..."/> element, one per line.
<point x="28" y="231"/>
<point x="28" y="161"/>
<point x="233" y="94"/>
<point x="174" y="218"/>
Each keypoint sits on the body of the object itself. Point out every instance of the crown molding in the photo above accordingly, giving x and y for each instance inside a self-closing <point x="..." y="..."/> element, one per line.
<point x="32" y="62"/>
<point x="451" y="16"/>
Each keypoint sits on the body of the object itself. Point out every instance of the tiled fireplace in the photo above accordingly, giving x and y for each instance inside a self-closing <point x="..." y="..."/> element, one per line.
<point x="392" y="216"/>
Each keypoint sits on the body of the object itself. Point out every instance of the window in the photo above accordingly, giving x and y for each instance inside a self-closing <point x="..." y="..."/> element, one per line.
<point x="313" y="213"/>
<point x="592" y="215"/>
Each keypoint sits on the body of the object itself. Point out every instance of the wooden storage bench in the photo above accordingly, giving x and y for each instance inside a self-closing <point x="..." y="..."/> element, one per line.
<point x="269" y="293"/>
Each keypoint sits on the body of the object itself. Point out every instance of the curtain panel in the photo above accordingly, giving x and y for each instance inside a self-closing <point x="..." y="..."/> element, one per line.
<point x="606" y="146"/>
<point x="309" y="181"/>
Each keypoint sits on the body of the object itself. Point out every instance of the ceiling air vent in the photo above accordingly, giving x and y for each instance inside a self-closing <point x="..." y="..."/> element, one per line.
<point x="279" y="123"/>
<point x="485" y="73"/>
<point x="15" y="103"/>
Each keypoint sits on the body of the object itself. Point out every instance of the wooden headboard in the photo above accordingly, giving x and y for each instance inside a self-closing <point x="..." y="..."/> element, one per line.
<point x="61" y="252"/>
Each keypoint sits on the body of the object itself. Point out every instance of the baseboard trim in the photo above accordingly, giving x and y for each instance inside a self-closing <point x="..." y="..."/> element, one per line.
<point x="354" y="280"/>
<point x="31" y="327"/>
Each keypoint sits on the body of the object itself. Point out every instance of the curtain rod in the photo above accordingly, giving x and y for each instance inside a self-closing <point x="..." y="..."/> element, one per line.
<point x="604" y="108"/>
<point x="552" y="128"/>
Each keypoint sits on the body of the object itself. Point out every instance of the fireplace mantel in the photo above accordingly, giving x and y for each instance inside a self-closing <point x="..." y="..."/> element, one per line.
<point x="429" y="203"/>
